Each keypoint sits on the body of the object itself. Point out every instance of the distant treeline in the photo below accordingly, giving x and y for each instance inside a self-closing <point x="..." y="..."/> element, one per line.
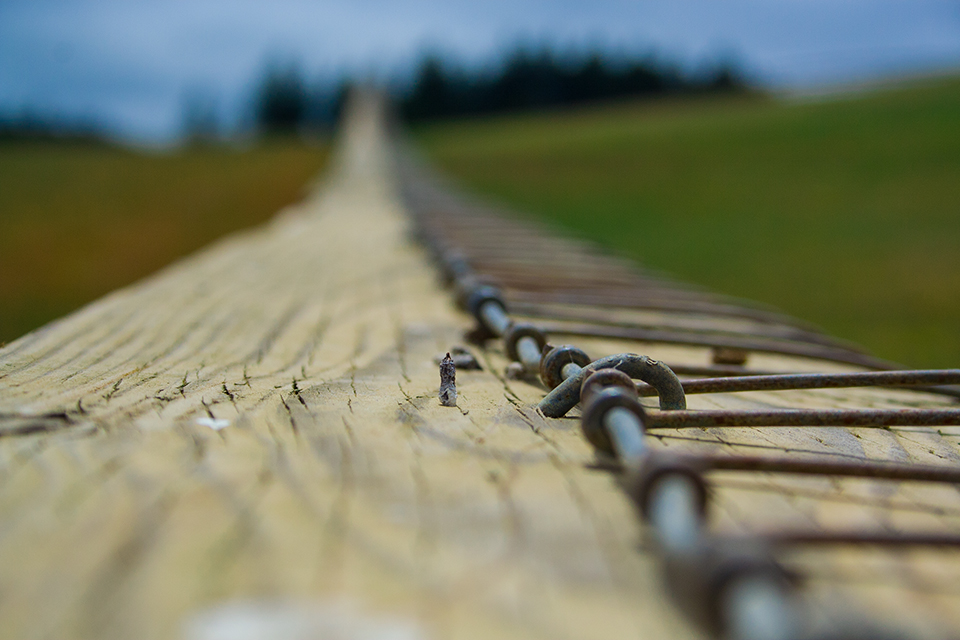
<point x="27" y="125"/>
<point x="522" y="80"/>
<point x="284" y="101"/>
<point x="543" y="80"/>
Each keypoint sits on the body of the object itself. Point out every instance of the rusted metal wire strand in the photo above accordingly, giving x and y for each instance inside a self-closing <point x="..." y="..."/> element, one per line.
<point x="878" y="418"/>
<point x="572" y="281"/>
<point x="782" y="382"/>
<point x="859" y="538"/>
<point x="869" y="469"/>
<point x="718" y="371"/>
<point x="858" y="469"/>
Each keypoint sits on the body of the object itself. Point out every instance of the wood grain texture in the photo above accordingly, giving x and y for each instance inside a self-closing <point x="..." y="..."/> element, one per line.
<point x="340" y="497"/>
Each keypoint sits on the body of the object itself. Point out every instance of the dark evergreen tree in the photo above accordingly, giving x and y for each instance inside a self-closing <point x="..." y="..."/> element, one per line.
<point x="281" y="100"/>
<point x="541" y="80"/>
<point x="431" y="96"/>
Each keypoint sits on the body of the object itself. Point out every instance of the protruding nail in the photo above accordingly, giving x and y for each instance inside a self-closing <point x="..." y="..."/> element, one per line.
<point x="448" y="382"/>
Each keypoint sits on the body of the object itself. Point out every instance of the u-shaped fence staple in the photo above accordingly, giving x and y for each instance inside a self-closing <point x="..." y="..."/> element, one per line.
<point x="486" y="304"/>
<point x="567" y="394"/>
<point x="524" y="343"/>
<point x="612" y="421"/>
<point x="560" y="363"/>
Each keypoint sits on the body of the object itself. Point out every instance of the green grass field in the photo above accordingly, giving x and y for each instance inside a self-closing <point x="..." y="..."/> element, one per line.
<point x="844" y="212"/>
<point x="78" y="220"/>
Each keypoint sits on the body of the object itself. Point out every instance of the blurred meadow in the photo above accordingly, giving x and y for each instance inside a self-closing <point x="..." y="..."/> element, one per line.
<point x="842" y="210"/>
<point x="80" y="218"/>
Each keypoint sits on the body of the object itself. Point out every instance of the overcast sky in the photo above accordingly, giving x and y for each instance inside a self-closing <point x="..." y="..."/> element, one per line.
<point x="131" y="62"/>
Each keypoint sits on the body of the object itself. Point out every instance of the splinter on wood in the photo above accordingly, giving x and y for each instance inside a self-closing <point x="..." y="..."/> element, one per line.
<point x="448" y="382"/>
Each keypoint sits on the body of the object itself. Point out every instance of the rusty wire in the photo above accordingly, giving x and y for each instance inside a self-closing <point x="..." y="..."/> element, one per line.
<point x="792" y="381"/>
<point x="866" y="418"/>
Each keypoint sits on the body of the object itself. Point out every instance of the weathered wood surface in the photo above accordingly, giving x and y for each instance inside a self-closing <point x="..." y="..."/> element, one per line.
<point x="252" y="437"/>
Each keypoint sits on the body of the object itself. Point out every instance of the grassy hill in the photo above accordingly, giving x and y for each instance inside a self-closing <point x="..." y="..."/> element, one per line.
<point x="844" y="212"/>
<point x="79" y="219"/>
